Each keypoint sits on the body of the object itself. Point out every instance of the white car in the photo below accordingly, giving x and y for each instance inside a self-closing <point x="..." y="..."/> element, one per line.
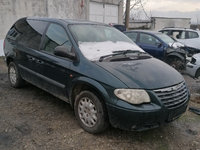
<point x="193" y="67"/>
<point x="189" y="37"/>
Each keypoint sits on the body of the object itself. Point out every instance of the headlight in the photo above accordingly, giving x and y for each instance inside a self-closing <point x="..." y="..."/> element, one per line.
<point x="193" y="60"/>
<point x="133" y="96"/>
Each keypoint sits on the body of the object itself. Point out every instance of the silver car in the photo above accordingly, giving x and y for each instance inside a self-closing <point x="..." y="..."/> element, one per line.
<point x="193" y="67"/>
<point x="189" y="37"/>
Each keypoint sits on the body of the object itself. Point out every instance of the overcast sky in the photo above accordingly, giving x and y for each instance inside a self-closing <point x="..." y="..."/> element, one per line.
<point x="174" y="8"/>
<point x="174" y="5"/>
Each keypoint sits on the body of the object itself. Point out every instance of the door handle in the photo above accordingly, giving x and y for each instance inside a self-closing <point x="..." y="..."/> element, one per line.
<point x="30" y="58"/>
<point x="39" y="61"/>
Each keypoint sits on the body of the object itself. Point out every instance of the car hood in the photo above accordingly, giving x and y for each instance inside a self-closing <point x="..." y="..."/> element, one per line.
<point x="194" y="43"/>
<point x="94" y="50"/>
<point x="176" y="45"/>
<point x="143" y="74"/>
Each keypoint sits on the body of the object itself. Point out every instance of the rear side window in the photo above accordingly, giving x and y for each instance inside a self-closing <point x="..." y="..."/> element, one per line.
<point x="165" y="32"/>
<point x="12" y="34"/>
<point x="179" y="34"/>
<point x="29" y="32"/>
<point x="192" y="35"/>
<point x="132" y="36"/>
<point x="148" y="39"/>
<point x="56" y="36"/>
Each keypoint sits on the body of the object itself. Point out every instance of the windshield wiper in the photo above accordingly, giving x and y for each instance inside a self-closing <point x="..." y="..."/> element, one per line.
<point x="124" y="52"/>
<point x="120" y="52"/>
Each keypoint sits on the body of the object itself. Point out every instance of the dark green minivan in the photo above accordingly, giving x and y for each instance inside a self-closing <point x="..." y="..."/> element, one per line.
<point x="104" y="76"/>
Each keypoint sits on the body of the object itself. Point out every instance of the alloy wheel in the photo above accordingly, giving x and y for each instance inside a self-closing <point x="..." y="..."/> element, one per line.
<point x="87" y="112"/>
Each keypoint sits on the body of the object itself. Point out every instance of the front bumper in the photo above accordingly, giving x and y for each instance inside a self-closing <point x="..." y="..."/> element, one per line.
<point x="142" y="117"/>
<point x="191" y="69"/>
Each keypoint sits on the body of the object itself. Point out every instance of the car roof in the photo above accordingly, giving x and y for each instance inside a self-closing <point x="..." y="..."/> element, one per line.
<point x="144" y="31"/>
<point x="65" y="21"/>
<point x="187" y="29"/>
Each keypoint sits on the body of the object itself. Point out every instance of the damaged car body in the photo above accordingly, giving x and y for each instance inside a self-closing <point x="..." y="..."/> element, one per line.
<point x="190" y="38"/>
<point x="106" y="78"/>
<point x="160" y="46"/>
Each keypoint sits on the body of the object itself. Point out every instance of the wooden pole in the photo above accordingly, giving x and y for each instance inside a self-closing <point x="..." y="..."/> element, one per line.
<point x="127" y="15"/>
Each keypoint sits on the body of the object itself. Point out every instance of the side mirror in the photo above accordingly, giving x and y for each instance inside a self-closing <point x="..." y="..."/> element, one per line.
<point x="63" y="51"/>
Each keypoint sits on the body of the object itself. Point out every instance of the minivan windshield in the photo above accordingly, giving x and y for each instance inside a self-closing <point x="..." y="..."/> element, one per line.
<point x="96" y="41"/>
<point x="165" y="38"/>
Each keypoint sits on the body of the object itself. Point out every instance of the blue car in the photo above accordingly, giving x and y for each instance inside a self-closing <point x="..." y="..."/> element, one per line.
<point x="160" y="46"/>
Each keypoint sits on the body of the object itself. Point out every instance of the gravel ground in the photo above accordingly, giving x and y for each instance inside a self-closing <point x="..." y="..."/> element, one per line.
<point x="32" y="119"/>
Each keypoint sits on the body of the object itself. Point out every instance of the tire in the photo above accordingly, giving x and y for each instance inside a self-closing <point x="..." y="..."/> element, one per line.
<point x="90" y="112"/>
<point x="176" y="63"/>
<point x="14" y="76"/>
<point x="197" y="74"/>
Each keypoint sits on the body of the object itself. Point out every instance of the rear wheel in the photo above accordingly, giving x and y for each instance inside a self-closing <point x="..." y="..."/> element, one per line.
<point x="14" y="76"/>
<point x="90" y="112"/>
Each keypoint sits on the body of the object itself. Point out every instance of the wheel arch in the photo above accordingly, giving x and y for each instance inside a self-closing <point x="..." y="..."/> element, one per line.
<point x="83" y="83"/>
<point x="8" y="60"/>
<point x="175" y="55"/>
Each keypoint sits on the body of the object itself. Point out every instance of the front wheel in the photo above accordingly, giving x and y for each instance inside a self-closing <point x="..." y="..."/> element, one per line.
<point x="90" y="112"/>
<point x="14" y="76"/>
<point x="176" y="63"/>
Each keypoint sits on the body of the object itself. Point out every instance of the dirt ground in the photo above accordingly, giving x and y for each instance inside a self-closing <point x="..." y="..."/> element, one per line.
<point x="32" y="119"/>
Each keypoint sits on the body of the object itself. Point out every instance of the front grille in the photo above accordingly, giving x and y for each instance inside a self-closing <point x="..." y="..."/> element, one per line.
<point x="173" y="96"/>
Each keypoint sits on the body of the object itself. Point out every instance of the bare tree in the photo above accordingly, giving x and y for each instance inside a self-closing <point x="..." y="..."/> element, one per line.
<point x="133" y="5"/>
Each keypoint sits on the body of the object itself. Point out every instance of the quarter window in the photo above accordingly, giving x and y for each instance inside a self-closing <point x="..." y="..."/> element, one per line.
<point x="178" y="34"/>
<point x="192" y="35"/>
<point x="56" y="36"/>
<point x="28" y="32"/>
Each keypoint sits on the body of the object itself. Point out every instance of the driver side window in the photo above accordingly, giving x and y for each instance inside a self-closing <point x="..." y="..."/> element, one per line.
<point x="148" y="39"/>
<point x="56" y="36"/>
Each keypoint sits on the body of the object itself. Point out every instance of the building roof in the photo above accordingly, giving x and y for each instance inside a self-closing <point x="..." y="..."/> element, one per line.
<point x="140" y="21"/>
<point x="171" y="17"/>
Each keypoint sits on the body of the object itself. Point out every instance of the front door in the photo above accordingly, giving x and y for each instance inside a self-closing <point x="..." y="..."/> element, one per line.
<point x="55" y="69"/>
<point x="151" y="45"/>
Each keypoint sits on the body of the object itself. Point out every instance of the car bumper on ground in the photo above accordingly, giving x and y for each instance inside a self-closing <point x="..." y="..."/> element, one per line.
<point x="143" y="117"/>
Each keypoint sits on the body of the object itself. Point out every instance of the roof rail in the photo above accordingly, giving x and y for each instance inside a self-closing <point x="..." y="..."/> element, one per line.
<point x="176" y="27"/>
<point x="168" y="27"/>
